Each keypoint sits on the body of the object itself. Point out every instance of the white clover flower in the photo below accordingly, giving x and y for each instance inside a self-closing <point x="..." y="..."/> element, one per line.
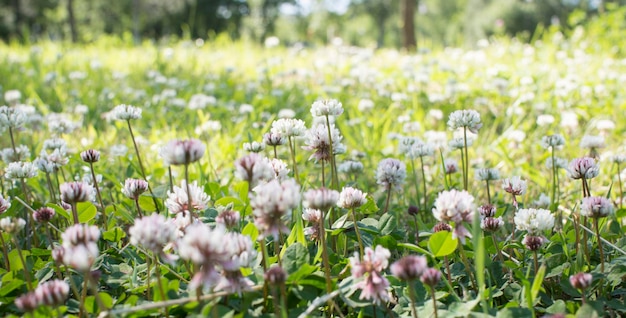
<point x="350" y="167"/>
<point x="391" y="173"/>
<point x="592" y="142"/>
<point x="365" y="105"/>
<point x="374" y="285"/>
<point x="421" y="150"/>
<point x="317" y="140"/>
<point x="596" y="207"/>
<point x="76" y="191"/>
<point x="153" y="232"/>
<point x="469" y="119"/>
<point x="619" y="158"/>
<point x="272" y="205"/>
<point x="12" y="96"/>
<point x="533" y="221"/>
<point x="439" y="139"/>
<point x="20" y="170"/>
<point x="605" y="124"/>
<point x="584" y="167"/>
<point x="11" y="117"/>
<point x="126" y="112"/>
<point x="178" y="200"/>
<point x="118" y="150"/>
<point x="405" y="145"/>
<point x="182" y="152"/>
<point x="326" y="107"/>
<point x="451" y="166"/>
<point x="289" y="127"/>
<point x="459" y="142"/>
<point x="209" y="126"/>
<point x="552" y="141"/>
<point x="274" y="139"/>
<point x="79" y="249"/>
<point x="545" y="119"/>
<point x="254" y="146"/>
<point x="514" y="185"/>
<point x="205" y="247"/>
<point x="560" y="163"/>
<point x="61" y="124"/>
<point x="455" y="206"/>
<point x="491" y="224"/>
<point x="253" y="168"/>
<point x="487" y="174"/>
<point x="321" y="199"/>
<point x="12" y="225"/>
<point x="280" y="168"/>
<point x="133" y="188"/>
<point x="350" y="198"/>
<point x="21" y="153"/>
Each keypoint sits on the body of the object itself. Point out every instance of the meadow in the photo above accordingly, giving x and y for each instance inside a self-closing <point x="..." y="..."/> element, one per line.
<point x="225" y="179"/>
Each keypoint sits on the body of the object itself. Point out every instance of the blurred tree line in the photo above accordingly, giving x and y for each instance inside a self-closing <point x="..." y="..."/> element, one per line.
<point x="395" y="23"/>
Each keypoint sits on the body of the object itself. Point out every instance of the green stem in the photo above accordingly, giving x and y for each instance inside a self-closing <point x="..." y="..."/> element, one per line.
<point x="293" y="158"/>
<point x="95" y="183"/>
<point x="358" y="234"/>
<point x="432" y="293"/>
<point x="74" y="213"/>
<point x="595" y="223"/>
<point x="160" y="284"/>
<point x="412" y="298"/>
<point x="138" y="208"/>
<point x="189" y="202"/>
<point x="83" y="296"/>
<point x="466" y="166"/>
<point x="467" y="267"/>
<point x="329" y="286"/>
<point x="333" y="185"/>
<point x="387" y="202"/>
<point x="619" y="180"/>
<point x="143" y="172"/>
<point x="26" y="270"/>
<point x="488" y="193"/>
<point x="535" y="262"/>
<point x="169" y="171"/>
<point x="424" y="182"/>
<point x="5" y="254"/>
<point x="443" y="165"/>
<point x="148" y="277"/>
<point x="416" y="183"/>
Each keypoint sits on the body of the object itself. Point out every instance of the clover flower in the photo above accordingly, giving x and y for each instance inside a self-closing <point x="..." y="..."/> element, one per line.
<point x="514" y="185"/>
<point x="182" y="152"/>
<point x="79" y="249"/>
<point x="373" y="284"/>
<point x="391" y="173"/>
<point x="12" y="96"/>
<point x="253" y="168"/>
<point x="20" y="170"/>
<point x="350" y="167"/>
<point x="133" y="188"/>
<point x="317" y="140"/>
<point x="44" y="214"/>
<point x="581" y="280"/>
<point x="559" y="163"/>
<point x="533" y="220"/>
<point x="279" y="167"/>
<point x="405" y="145"/>
<point x="592" y="142"/>
<point x="584" y="167"/>
<point x="77" y="191"/>
<point x="350" y="198"/>
<point x="543" y="201"/>
<point x="487" y="174"/>
<point x="90" y="155"/>
<point x="455" y="206"/>
<point x="11" y="117"/>
<point x="326" y="107"/>
<point x="289" y="127"/>
<point x="552" y="141"/>
<point x="51" y="293"/>
<point x="5" y="204"/>
<point x="469" y="119"/>
<point x="272" y="204"/>
<point x="322" y="199"/>
<point x="205" y="247"/>
<point x="274" y="139"/>
<point x="12" y="225"/>
<point x="125" y="112"/>
<point x="431" y="277"/>
<point x="409" y="267"/>
<point x="533" y="242"/>
<point x="596" y="207"/>
<point x="21" y="153"/>
<point x="491" y="224"/>
<point x="178" y="201"/>
<point x="275" y="275"/>
<point x="314" y="217"/>
<point x="451" y="166"/>
<point x="227" y="217"/>
<point x="153" y="232"/>
<point x="254" y="146"/>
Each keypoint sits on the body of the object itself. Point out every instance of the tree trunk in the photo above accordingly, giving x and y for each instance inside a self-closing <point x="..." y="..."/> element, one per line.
<point x="408" y="25"/>
<point x="135" y="9"/>
<point x="72" y="20"/>
<point x="381" y="31"/>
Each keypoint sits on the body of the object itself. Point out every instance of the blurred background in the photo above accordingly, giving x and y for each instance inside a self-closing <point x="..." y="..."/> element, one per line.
<point x="409" y="24"/>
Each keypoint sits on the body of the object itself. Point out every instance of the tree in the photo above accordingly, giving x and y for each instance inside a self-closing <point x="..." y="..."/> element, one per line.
<point x="408" y="25"/>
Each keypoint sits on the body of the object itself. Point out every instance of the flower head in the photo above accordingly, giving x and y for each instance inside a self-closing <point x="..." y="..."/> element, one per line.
<point x="182" y="152"/>
<point x="11" y="117"/>
<point x="289" y="127"/>
<point x="272" y="204"/>
<point x="409" y="267"/>
<point x="80" y="248"/>
<point x="12" y="225"/>
<point x="321" y="199"/>
<point x="374" y="285"/>
<point x="228" y="217"/>
<point x="21" y="153"/>
<point x="581" y="280"/>
<point x="52" y="293"/>
<point x="178" y="200"/>
<point x="206" y="247"/>
<point x="350" y="198"/>
<point x="44" y="214"/>
<point x="350" y="167"/>
<point x="487" y="174"/>
<point x="431" y="277"/>
<point x="274" y="139"/>
<point x="254" y="169"/>
<point x="592" y="142"/>
<point x="451" y="166"/>
<point x="552" y="141"/>
<point x="5" y="204"/>
<point x="391" y="173"/>
<point x="153" y="232"/>
<point x="90" y="155"/>
<point x="318" y="141"/>
<point x="533" y="242"/>
<point x="533" y="220"/>
<point x="20" y="170"/>
<point x="125" y="112"/>
<point x="77" y="191"/>
<point x="254" y="146"/>
<point x="491" y="224"/>
<point x="584" y="167"/>
<point x="313" y="216"/>
<point x="514" y="185"/>
<point x="469" y="119"/>
<point x="133" y="188"/>
<point x="275" y="275"/>
<point x="596" y="207"/>
<point x="326" y="107"/>
<point x="455" y="206"/>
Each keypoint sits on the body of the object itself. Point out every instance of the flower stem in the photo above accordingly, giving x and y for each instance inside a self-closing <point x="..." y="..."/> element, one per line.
<point x="412" y="297"/>
<point x="488" y="193"/>
<point x="138" y="208"/>
<point x="148" y="277"/>
<point x="495" y="243"/>
<point x="160" y="284"/>
<point x="5" y="254"/>
<point x="467" y="266"/>
<point x="264" y="262"/>
<point x="94" y="290"/>
<point x="329" y="286"/>
<point x="417" y="192"/>
<point x="83" y="296"/>
<point x="358" y="234"/>
<point x="50" y="188"/>
<point x="446" y="262"/>
<point x="143" y="172"/>
<point x="535" y="262"/>
<point x="333" y="184"/>
<point x="424" y="182"/>
<point x="74" y="213"/>
<point x="387" y="202"/>
<point x="432" y="293"/>
<point x="95" y="183"/>
<point x="619" y="181"/>
<point x="169" y="171"/>
<point x="12" y="140"/>
<point x="26" y="271"/>
<point x="443" y="165"/>
<point x="57" y="269"/>
<point x="292" y="148"/>
<point x="466" y="166"/>
<point x="595" y="223"/>
<point x="189" y="202"/>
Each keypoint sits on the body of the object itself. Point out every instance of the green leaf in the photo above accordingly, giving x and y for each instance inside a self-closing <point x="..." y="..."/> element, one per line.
<point x="295" y="257"/>
<point x="415" y="248"/>
<point x="146" y="203"/>
<point x="241" y="188"/>
<point x="114" y="235"/>
<point x="537" y="283"/>
<point x="518" y="312"/>
<point x="387" y="224"/>
<point x="8" y="287"/>
<point x="370" y="206"/>
<point x="587" y="311"/>
<point x="86" y="211"/>
<point x="250" y="230"/>
<point x="15" y="261"/>
<point x="60" y="211"/>
<point x="442" y="244"/>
